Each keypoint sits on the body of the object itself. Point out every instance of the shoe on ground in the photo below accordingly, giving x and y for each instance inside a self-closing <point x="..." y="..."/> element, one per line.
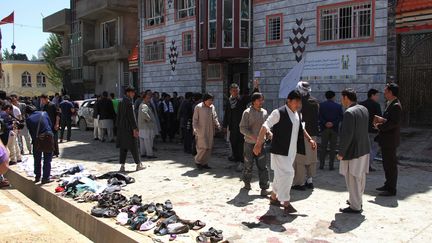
<point x="37" y="179"/>
<point x="299" y="187"/>
<point x="372" y="169"/>
<point x="12" y="162"/>
<point x="239" y="167"/>
<point x="19" y="161"/>
<point x="247" y="186"/>
<point x="4" y="183"/>
<point x="143" y="156"/>
<point x="152" y="157"/>
<point x="207" y="167"/>
<point x="350" y="210"/>
<point x="232" y="159"/>
<point x="140" y="166"/>
<point x="387" y="194"/>
<point x="381" y="189"/>
<point x="289" y="209"/>
<point x="309" y="185"/>
<point x="122" y="168"/>
<point x="96" y="139"/>
<point x="46" y="181"/>
<point x="199" y="167"/>
<point x="265" y="192"/>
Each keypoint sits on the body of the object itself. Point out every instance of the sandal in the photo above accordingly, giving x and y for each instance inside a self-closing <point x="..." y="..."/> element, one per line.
<point x="201" y="238"/>
<point x="197" y="225"/>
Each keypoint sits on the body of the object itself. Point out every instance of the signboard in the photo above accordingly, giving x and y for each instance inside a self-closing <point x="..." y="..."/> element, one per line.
<point x="340" y="64"/>
<point x="322" y="65"/>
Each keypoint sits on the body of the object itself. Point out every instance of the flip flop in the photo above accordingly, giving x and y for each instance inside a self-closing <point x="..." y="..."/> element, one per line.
<point x="197" y="225"/>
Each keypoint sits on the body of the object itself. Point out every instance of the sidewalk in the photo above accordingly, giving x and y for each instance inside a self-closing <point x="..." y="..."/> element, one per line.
<point x="22" y="220"/>
<point x="216" y="197"/>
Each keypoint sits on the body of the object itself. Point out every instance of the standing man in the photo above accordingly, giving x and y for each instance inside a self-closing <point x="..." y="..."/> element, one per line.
<point x="285" y="128"/>
<point x="305" y="165"/>
<point x="96" y="134"/>
<point x="389" y="138"/>
<point x="12" y="131"/>
<point x="330" y="115"/>
<point x="147" y="126"/>
<point x="67" y="109"/>
<point x="233" y="114"/>
<point x="127" y="130"/>
<point x="106" y="117"/>
<point x="354" y="150"/>
<point x="20" y="114"/>
<point x="374" y="109"/>
<point x="38" y="123"/>
<point x="252" y="120"/>
<point x="54" y="115"/>
<point x="204" y="122"/>
<point x="167" y="118"/>
<point x="185" y="115"/>
<point x="155" y="107"/>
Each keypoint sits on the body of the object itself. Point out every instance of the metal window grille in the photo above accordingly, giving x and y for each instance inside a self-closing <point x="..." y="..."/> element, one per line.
<point x="154" y="51"/>
<point x="187" y="42"/>
<point x="212" y="24"/>
<point x="26" y="79"/>
<point x="154" y="12"/>
<point x="109" y="34"/>
<point x="227" y="39"/>
<point x="244" y="23"/>
<point x="346" y="22"/>
<point x="274" y="28"/>
<point x="41" y="80"/>
<point x="185" y="8"/>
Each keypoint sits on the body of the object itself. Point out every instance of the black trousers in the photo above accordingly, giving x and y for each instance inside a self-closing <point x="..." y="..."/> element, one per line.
<point x="134" y="152"/>
<point x="237" y="143"/>
<point x="56" y="145"/>
<point x="390" y="163"/>
<point x="66" y="123"/>
<point x="187" y="140"/>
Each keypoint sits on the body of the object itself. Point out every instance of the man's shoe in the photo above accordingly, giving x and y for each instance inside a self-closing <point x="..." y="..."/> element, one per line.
<point x="265" y="192"/>
<point x="4" y="183"/>
<point x="199" y="167"/>
<point x="372" y="169"/>
<point x="387" y="194"/>
<point x="382" y="189"/>
<point x="140" y="166"/>
<point x="309" y="185"/>
<point x="350" y="210"/>
<point x="289" y="209"/>
<point x="46" y="181"/>
<point x="247" y="186"/>
<point x="96" y="139"/>
<point x="19" y="161"/>
<point x="299" y="188"/>
<point x="12" y="162"/>
<point x="232" y="159"/>
<point x="207" y="167"/>
<point x="152" y="157"/>
<point x="122" y="168"/>
<point x="239" y="167"/>
<point x="61" y="141"/>
<point x="143" y="156"/>
<point x="37" y="179"/>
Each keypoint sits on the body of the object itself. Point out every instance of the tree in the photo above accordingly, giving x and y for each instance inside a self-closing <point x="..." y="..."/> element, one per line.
<point x="34" y="58"/>
<point x="12" y="56"/>
<point x="53" y="49"/>
<point x="6" y="55"/>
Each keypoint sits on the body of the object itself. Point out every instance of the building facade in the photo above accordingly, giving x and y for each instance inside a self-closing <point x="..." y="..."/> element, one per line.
<point x="26" y="78"/>
<point x="99" y="36"/>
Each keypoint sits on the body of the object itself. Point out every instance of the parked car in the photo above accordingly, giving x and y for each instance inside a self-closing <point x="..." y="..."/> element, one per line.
<point x="85" y="114"/>
<point x="75" y="117"/>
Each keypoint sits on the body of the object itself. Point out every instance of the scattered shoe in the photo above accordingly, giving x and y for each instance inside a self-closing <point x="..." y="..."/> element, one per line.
<point x="350" y="210"/>
<point x="148" y="225"/>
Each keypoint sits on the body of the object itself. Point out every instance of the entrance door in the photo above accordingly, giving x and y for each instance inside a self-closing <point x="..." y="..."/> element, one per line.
<point x="415" y="78"/>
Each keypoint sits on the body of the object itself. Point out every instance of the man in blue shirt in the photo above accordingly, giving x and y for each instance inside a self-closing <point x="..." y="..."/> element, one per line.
<point x="38" y="122"/>
<point x="330" y="115"/>
<point x="67" y="109"/>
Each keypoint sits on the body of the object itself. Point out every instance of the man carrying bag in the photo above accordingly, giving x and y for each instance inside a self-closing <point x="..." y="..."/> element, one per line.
<point x="39" y="126"/>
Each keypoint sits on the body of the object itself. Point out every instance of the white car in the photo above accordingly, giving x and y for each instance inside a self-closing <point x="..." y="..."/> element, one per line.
<point x="85" y="114"/>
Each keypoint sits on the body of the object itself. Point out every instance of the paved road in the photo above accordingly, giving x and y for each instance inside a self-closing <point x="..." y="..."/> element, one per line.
<point x="216" y="197"/>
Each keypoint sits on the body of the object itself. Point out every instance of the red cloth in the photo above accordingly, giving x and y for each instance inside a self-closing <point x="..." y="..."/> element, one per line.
<point x="8" y="20"/>
<point x="59" y="189"/>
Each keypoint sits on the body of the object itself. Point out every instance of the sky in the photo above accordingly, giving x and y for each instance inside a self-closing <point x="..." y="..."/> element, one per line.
<point x="29" y="37"/>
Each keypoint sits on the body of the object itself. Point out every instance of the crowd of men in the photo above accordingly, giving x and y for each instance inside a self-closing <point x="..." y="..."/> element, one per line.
<point x="350" y="132"/>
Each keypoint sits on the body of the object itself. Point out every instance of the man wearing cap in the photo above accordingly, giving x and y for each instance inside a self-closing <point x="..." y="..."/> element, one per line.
<point x="67" y="109"/>
<point x="305" y="165"/>
<point x="127" y="130"/>
<point x="284" y="126"/>
<point x="233" y="114"/>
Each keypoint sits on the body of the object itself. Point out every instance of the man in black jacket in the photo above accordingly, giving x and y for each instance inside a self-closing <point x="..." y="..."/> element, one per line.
<point x="234" y="109"/>
<point x="54" y="115"/>
<point x="374" y="109"/>
<point x="106" y="113"/>
<point x="389" y="138"/>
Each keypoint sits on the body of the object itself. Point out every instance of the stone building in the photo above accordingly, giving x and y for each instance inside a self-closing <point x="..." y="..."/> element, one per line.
<point x="98" y="35"/>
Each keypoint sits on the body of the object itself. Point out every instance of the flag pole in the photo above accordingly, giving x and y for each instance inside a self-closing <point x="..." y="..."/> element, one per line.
<point x="13" y="38"/>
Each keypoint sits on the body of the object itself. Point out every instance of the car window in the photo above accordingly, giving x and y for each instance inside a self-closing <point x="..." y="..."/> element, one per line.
<point x="92" y="104"/>
<point x="85" y="104"/>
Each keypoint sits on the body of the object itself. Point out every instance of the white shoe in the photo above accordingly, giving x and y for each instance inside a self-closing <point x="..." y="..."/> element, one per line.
<point x="140" y="166"/>
<point x="122" y="168"/>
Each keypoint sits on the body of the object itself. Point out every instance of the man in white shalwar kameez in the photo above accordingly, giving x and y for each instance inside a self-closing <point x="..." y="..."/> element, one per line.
<point x="284" y="128"/>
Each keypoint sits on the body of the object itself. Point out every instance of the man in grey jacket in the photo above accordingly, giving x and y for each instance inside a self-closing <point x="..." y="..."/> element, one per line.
<point x="354" y="150"/>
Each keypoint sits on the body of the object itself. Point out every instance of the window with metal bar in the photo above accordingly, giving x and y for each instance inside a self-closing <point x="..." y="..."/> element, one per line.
<point x="212" y="11"/>
<point x="154" y="12"/>
<point x="245" y="23"/>
<point x="185" y="8"/>
<point x="154" y="50"/>
<point x="274" y="28"/>
<point x="227" y="36"/>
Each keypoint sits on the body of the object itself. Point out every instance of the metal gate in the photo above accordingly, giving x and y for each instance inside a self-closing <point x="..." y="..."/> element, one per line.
<point x="415" y="78"/>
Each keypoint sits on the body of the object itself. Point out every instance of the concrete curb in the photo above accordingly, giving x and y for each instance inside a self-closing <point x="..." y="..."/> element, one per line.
<point x="93" y="228"/>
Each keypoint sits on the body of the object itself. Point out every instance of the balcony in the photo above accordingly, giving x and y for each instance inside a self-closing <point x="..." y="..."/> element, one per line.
<point x="64" y="62"/>
<point x="107" y="54"/>
<point x="58" y="22"/>
<point x="95" y="9"/>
